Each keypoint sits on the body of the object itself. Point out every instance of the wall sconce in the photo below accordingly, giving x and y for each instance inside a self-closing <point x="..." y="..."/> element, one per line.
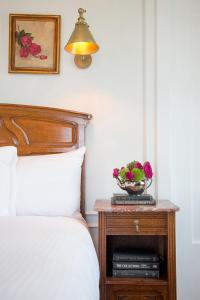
<point x="82" y="43"/>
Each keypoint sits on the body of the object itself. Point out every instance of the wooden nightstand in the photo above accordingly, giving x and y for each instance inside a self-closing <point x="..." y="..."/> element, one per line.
<point x="136" y="227"/>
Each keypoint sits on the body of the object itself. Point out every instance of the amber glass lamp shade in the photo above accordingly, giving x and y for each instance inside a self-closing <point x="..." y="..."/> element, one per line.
<point x="81" y="43"/>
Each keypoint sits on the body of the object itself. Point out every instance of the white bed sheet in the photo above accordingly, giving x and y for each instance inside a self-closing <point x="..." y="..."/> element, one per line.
<point x="47" y="258"/>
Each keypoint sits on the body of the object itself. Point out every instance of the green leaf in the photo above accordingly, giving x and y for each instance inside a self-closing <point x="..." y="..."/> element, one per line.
<point x="19" y="41"/>
<point x="16" y="34"/>
<point x="22" y="32"/>
<point x="122" y="173"/>
<point x="138" y="174"/>
<point x="19" y="36"/>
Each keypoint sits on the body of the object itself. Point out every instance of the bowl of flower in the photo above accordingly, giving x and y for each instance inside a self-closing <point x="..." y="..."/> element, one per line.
<point x="135" y="178"/>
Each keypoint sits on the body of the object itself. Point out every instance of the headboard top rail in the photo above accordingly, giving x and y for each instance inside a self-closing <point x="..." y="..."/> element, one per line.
<point x="19" y="108"/>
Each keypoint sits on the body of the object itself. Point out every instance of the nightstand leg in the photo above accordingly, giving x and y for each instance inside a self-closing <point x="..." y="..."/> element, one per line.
<point x="172" y="256"/>
<point x="102" y="255"/>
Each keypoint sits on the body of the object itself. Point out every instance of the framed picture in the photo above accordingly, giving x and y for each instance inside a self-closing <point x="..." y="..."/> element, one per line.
<point x="34" y="44"/>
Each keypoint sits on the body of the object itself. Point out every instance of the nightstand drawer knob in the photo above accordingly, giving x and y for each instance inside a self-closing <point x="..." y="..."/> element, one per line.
<point x="136" y="223"/>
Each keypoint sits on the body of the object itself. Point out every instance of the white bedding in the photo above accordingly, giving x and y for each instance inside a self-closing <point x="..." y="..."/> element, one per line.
<point x="47" y="258"/>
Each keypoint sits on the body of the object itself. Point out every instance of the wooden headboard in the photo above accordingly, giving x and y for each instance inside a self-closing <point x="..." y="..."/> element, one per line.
<point x="43" y="130"/>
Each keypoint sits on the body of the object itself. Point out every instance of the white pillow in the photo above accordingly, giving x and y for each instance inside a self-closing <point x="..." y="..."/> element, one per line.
<point x="49" y="185"/>
<point x="8" y="159"/>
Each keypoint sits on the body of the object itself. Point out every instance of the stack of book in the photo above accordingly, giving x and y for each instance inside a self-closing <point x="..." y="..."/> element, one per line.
<point x="125" y="199"/>
<point x="135" y="264"/>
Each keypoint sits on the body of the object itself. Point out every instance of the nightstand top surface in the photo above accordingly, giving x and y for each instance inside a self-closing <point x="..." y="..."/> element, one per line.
<point x="161" y="206"/>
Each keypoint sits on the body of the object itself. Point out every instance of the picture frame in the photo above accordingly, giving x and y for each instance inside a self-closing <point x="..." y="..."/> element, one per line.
<point x="34" y="44"/>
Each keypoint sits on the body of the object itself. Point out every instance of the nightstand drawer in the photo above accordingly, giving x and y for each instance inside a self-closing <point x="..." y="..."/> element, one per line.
<point x="140" y="223"/>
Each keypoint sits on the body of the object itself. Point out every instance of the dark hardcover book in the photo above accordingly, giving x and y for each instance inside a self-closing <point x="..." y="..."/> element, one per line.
<point x="123" y="196"/>
<point x="136" y="273"/>
<point x="135" y="265"/>
<point x="131" y="202"/>
<point x="125" y="199"/>
<point x="134" y="256"/>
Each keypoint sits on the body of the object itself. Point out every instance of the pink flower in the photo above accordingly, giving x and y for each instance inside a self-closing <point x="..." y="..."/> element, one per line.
<point x="138" y="165"/>
<point x="43" y="57"/>
<point x="129" y="175"/>
<point x="115" y="173"/>
<point x="26" y="40"/>
<point x="148" y="170"/>
<point x="35" y="49"/>
<point x="24" y="52"/>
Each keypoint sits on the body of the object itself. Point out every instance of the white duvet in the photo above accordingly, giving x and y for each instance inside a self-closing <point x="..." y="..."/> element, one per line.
<point x="47" y="258"/>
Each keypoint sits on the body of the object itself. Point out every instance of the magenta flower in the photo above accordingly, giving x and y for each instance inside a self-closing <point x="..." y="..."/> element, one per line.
<point x="115" y="173"/>
<point x="24" y="52"/>
<point x="148" y="170"/>
<point x="43" y="56"/>
<point x="26" y="40"/>
<point x="129" y="175"/>
<point x="138" y="165"/>
<point x="35" y="49"/>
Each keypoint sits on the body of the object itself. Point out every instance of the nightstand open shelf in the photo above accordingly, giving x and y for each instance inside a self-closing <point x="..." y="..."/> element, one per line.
<point x="153" y="243"/>
<point x="151" y="228"/>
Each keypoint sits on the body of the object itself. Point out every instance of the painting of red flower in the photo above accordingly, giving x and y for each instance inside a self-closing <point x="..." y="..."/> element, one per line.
<point x="34" y="44"/>
<point x="27" y="47"/>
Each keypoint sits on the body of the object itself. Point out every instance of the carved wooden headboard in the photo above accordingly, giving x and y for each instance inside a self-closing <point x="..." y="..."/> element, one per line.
<point x="43" y="130"/>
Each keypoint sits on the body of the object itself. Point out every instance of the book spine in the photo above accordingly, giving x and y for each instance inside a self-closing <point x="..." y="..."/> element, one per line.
<point x="133" y="197"/>
<point x="136" y="273"/>
<point x="135" y="266"/>
<point x="135" y="258"/>
<point x="132" y="202"/>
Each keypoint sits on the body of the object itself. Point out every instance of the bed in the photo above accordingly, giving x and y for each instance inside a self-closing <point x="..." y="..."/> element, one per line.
<point x="46" y="257"/>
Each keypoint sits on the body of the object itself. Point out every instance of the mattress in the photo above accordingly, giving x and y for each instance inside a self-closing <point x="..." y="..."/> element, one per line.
<point x="47" y="258"/>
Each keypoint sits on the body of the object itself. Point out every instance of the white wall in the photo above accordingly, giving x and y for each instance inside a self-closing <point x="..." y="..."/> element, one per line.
<point x="143" y="92"/>
<point x="178" y="126"/>
<point x="111" y="89"/>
